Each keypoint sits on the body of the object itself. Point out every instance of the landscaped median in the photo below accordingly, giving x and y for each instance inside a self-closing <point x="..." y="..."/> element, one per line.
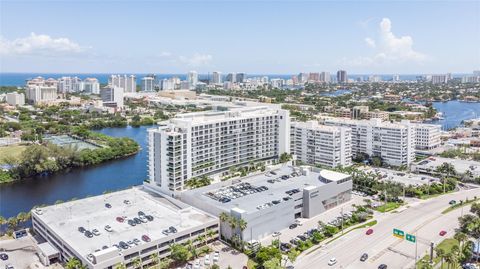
<point x="444" y="248"/>
<point x="460" y="204"/>
<point x="389" y="206"/>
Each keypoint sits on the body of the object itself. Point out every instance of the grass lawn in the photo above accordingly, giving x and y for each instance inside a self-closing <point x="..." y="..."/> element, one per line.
<point x="424" y="197"/>
<point x="11" y="151"/>
<point x="459" y="205"/>
<point x="388" y="207"/>
<point x="446" y="245"/>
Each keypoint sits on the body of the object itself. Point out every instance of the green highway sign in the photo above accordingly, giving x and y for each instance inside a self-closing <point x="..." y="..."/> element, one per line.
<point x="410" y="237"/>
<point x="398" y="233"/>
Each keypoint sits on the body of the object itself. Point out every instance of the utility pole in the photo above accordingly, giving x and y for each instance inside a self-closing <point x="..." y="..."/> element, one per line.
<point x="431" y="253"/>
<point x="416" y="248"/>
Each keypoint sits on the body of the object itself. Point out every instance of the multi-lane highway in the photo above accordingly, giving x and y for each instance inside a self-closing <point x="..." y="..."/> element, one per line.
<point x="421" y="218"/>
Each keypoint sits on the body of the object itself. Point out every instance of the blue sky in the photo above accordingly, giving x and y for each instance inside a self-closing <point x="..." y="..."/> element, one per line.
<point x="276" y="37"/>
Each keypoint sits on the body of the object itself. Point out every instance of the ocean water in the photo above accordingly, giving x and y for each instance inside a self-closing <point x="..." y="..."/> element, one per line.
<point x="18" y="79"/>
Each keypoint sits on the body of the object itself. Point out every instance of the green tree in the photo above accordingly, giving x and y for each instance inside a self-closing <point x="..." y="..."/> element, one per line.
<point x="73" y="263"/>
<point x="179" y="253"/>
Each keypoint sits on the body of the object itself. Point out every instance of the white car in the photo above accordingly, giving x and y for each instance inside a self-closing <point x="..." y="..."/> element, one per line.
<point x="95" y="232"/>
<point x="216" y="256"/>
<point x="298" y="222"/>
<point x="108" y="228"/>
<point x="196" y="265"/>
<point x="207" y="260"/>
<point x="276" y="234"/>
<point x="332" y="261"/>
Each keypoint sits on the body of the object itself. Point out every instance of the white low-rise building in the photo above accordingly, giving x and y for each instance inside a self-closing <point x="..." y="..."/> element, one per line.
<point x="427" y="136"/>
<point x="15" y="99"/>
<point x="316" y="144"/>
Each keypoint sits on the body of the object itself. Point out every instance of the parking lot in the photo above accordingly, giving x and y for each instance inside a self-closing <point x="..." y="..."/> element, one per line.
<point x="304" y="225"/>
<point x="406" y="178"/>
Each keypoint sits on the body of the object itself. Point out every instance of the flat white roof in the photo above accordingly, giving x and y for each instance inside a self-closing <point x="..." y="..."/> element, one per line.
<point x="91" y="213"/>
<point x="332" y="175"/>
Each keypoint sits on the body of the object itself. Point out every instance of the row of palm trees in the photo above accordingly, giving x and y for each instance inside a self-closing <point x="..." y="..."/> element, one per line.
<point x="457" y="254"/>
<point x="14" y="222"/>
<point x="237" y="226"/>
<point x="175" y="249"/>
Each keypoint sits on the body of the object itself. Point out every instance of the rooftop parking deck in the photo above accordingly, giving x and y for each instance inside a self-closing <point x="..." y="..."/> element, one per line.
<point x="264" y="190"/>
<point x="116" y="210"/>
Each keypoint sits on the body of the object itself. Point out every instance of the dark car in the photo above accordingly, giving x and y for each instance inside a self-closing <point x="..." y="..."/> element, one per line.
<point x="452" y="202"/>
<point x="120" y="219"/>
<point x="107" y="205"/>
<point x="369" y="232"/>
<point x="285" y="247"/>
<point x="140" y="213"/>
<point x="302" y="237"/>
<point x="137" y="220"/>
<point x="3" y="256"/>
<point x="364" y="257"/>
<point x="442" y="233"/>
<point x="88" y="234"/>
<point x="146" y="238"/>
<point x="123" y="245"/>
<point x="81" y="229"/>
<point x="149" y="217"/>
<point x="293" y="226"/>
<point x="172" y="229"/>
<point x="382" y="266"/>
<point x="131" y="222"/>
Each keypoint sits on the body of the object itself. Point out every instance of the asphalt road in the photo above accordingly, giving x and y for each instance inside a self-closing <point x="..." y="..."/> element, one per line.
<point x="421" y="218"/>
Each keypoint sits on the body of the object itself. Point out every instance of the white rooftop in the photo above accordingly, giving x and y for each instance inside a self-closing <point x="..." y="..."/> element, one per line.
<point x="91" y="213"/>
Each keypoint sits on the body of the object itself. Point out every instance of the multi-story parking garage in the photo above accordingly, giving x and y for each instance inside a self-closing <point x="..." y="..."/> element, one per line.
<point x="272" y="201"/>
<point x="119" y="227"/>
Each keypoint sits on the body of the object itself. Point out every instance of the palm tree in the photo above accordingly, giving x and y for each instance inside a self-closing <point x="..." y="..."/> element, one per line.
<point x="72" y="263"/>
<point x="210" y="234"/>
<point x="441" y="254"/>
<point x="120" y="266"/>
<point x="154" y="257"/>
<point x="137" y="263"/>
<point x="242" y="225"/>
<point x="461" y="237"/>
<point x="448" y="259"/>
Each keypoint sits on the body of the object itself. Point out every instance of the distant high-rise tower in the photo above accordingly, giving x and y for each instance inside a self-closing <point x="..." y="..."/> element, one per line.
<point x="240" y="77"/>
<point x="216" y="78"/>
<point x="325" y="77"/>
<point x="342" y="76"/>
<point x="192" y="78"/>
<point x="231" y="77"/>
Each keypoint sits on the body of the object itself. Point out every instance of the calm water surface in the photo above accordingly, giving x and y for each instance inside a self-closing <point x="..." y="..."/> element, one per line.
<point x="114" y="175"/>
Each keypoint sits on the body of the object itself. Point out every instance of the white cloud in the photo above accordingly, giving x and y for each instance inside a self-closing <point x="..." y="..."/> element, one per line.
<point x="389" y="49"/>
<point x="370" y="42"/>
<point x="43" y="45"/>
<point x="196" y="60"/>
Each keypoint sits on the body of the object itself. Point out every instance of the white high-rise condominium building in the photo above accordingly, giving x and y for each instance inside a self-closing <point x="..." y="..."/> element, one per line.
<point x="325" y="77"/>
<point x="15" y="99"/>
<point x="439" y="79"/>
<point x="112" y="96"/>
<point x="40" y="94"/>
<point x="316" y="144"/>
<point x="216" y="78"/>
<point x="192" y="78"/>
<point x="69" y="84"/>
<point x="127" y="83"/>
<point x="302" y="78"/>
<point x="91" y="85"/>
<point x="427" y="136"/>
<point x="393" y="143"/>
<point x="209" y="143"/>
<point x="167" y="84"/>
<point x="148" y="84"/>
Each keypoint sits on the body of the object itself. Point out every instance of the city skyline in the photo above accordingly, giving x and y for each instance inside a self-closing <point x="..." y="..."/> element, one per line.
<point x="362" y="38"/>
